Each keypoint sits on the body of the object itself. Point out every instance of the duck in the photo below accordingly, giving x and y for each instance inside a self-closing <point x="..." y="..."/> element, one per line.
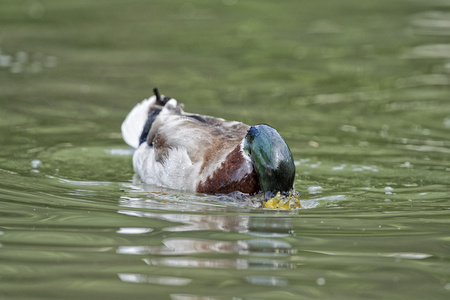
<point x="204" y="154"/>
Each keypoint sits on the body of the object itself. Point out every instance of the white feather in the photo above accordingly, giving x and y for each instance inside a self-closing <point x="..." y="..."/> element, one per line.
<point x="135" y="121"/>
<point x="176" y="172"/>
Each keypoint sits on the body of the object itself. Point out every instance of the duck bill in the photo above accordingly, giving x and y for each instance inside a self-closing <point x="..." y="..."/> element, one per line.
<point x="284" y="202"/>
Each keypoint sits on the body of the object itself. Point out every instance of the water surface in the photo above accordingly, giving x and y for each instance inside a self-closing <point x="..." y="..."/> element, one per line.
<point x="360" y="91"/>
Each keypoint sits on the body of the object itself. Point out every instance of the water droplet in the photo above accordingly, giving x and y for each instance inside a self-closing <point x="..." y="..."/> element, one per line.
<point x="320" y="281"/>
<point x="388" y="190"/>
<point x="406" y="164"/>
<point x="315" y="189"/>
<point x="339" y="168"/>
<point x="35" y="163"/>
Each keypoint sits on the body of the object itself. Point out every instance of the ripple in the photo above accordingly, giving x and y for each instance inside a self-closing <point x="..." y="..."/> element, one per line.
<point x="197" y="297"/>
<point x="404" y="255"/>
<point x="431" y="23"/>
<point x="315" y="190"/>
<point x="408" y="255"/>
<point x="160" y="280"/>
<point x="83" y="183"/>
<point x="255" y="225"/>
<point x="121" y="151"/>
<point x="423" y="80"/>
<point x="134" y="230"/>
<point x="196" y="222"/>
<point x="141" y="195"/>
<point x="428" y="51"/>
<point x="68" y="240"/>
<point x="313" y="203"/>
<point x="185" y="246"/>
<point x="268" y="280"/>
<point x="241" y="263"/>
<point x="24" y="62"/>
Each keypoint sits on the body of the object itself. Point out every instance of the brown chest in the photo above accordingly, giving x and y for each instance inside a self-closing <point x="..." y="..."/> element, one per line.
<point x="234" y="174"/>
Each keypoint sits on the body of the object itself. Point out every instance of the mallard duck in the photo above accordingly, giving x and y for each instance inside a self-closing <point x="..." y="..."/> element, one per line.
<point x="203" y="154"/>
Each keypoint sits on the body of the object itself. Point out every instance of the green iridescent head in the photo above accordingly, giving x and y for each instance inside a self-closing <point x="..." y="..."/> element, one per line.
<point x="272" y="160"/>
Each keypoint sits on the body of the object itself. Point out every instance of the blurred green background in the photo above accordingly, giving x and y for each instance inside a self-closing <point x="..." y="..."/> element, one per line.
<point x="359" y="90"/>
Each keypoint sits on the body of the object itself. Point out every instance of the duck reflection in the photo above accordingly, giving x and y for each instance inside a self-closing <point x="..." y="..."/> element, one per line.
<point x="263" y="240"/>
<point x="185" y="246"/>
<point x="260" y="225"/>
<point x="241" y="263"/>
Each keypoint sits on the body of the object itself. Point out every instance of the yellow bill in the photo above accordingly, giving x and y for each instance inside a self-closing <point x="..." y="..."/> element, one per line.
<point x="283" y="202"/>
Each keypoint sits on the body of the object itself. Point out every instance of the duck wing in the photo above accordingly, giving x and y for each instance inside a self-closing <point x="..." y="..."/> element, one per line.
<point x="206" y="139"/>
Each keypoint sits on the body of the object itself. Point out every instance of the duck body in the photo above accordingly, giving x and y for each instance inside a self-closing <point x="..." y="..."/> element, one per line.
<point x="204" y="154"/>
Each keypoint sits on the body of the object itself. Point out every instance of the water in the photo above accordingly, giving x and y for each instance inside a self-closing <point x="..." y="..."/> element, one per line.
<point x="360" y="91"/>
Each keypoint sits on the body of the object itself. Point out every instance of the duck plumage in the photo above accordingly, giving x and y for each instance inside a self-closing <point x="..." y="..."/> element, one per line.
<point x="193" y="152"/>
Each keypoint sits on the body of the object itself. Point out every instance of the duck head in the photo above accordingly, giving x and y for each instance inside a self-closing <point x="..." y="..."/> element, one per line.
<point x="271" y="159"/>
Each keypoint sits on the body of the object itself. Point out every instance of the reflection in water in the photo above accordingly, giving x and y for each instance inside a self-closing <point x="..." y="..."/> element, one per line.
<point x="267" y="280"/>
<point x="185" y="246"/>
<point x="196" y="222"/>
<point x="83" y="183"/>
<point x="398" y="255"/>
<point x="176" y="251"/>
<point x="241" y="263"/>
<point x="429" y="51"/>
<point x="259" y="225"/>
<point x="426" y="79"/>
<point x="161" y="280"/>
<point x="196" y="297"/>
<point x="134" y="230"/>
<point x="431" y="23"/>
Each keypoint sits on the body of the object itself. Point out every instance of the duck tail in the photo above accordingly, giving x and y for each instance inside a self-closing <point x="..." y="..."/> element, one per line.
<point x="160" y="100"/>
<point x="134" y="122"/>
<point x="138" y="122"/>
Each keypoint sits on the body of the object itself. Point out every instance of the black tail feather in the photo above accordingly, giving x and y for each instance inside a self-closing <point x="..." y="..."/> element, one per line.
<point x="160" y="100"/>
<point x="152" y="114"/>
<point x="148" y="125"/>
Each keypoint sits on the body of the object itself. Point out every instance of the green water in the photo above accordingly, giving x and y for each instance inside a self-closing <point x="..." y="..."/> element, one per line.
<point x="359" y="89"/>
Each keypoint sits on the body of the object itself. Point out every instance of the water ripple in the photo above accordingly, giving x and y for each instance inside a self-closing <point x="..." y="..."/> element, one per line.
<point x="185" y="246"/>
<point x="240" y="263"/>
<point x="431" y="23"/>
<point x="151" y="279"/>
